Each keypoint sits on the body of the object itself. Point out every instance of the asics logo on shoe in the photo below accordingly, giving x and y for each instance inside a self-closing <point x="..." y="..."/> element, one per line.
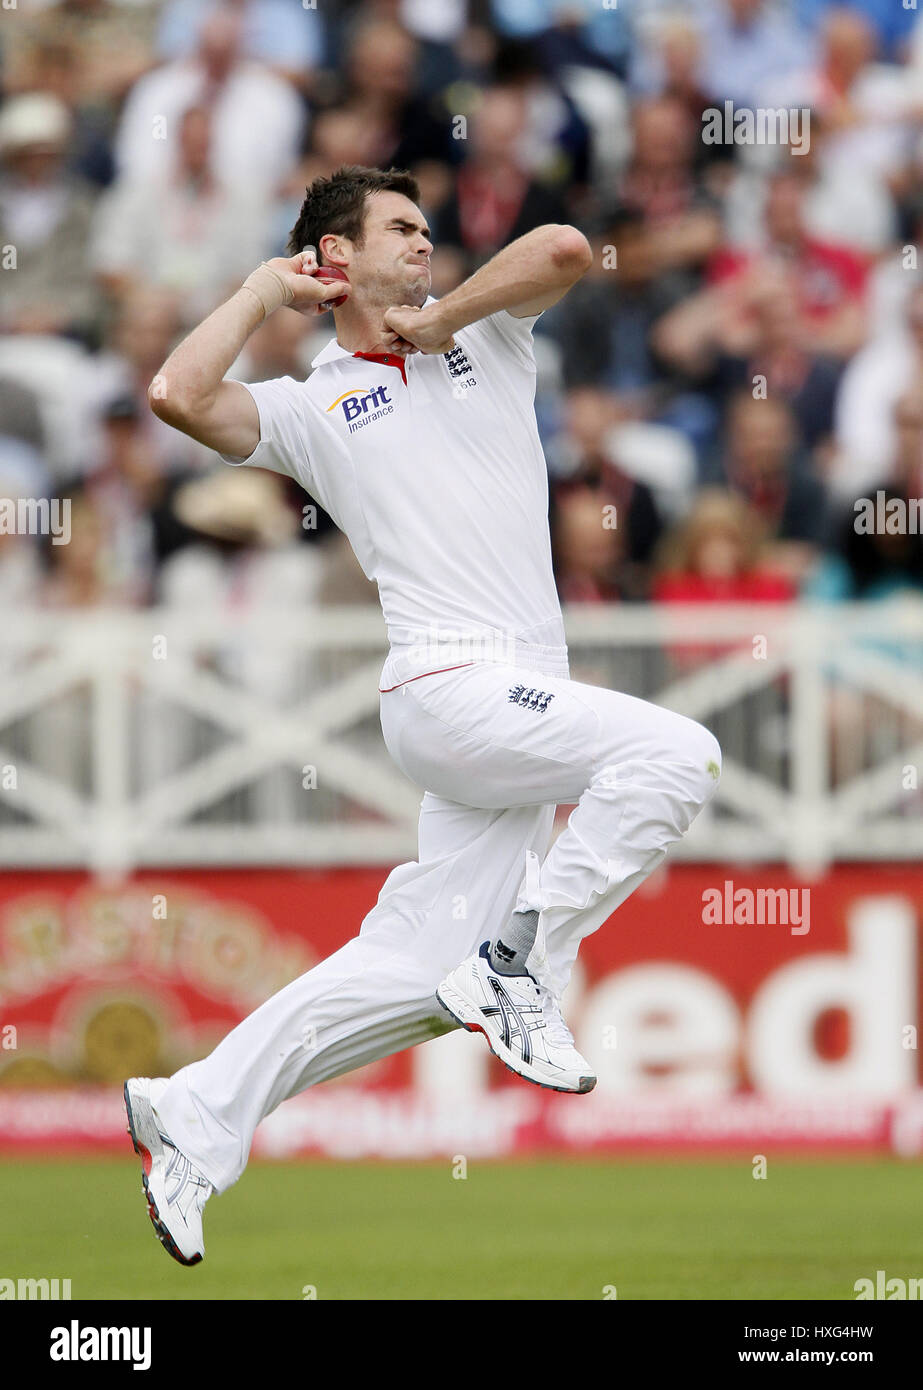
<point x="512" y="1018"/>
<point x="180" y="1174"/>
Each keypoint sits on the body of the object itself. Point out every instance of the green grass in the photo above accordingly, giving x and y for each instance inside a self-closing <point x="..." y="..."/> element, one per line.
<point x="545" y="1229"/>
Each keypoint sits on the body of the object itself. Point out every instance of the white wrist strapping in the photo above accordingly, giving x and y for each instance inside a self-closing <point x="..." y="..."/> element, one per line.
<point x="269" y="287"/>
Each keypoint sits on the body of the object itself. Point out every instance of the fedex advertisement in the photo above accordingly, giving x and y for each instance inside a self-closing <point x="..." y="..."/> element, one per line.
<point x="722" y="1009"/>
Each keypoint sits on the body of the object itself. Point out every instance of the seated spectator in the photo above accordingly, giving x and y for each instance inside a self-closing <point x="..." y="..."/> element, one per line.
<point x="286" y="37"/>
<point x="604" y="323"/>
<point x="588" y="144"/>
<point x="555" y="145"/>
<point x="830" y="280"/>
<point x="257" y="118"/>
<point x="681" y="225"/>
<point x="604" y="32"/>
<point x="872" y="384"/>
<point x="244" y="549"/>
<point x="55" y="67"/>
<point x="668" y="63"/>
<point x="379" y="86"/>
<point x="126" y="488"/>
<point x="45" y="214"/>
<point x="898" y="274"/>
<point x="718" y="554"/>
<point x="754" y="329"/>
<point x="745" y="43"/>
<point x="876" y="554"/>
<point x="185" y="230"/>
<point x="80" y="574"/>
<point x="142" y="336"/>
<point x="649" y="253"/>
<point x="588" y="482"/>
<point x="892" y="23"/>
<point x="111" y="46"/>
<point x="588" y="555"/>
<point x="845" y="207"/>
<point x="868" y="109"/>
<point x="661" y="457"/>
<point x="760" y="464"/>
<point x="871" y="561"/>
<point x="495" y="200"/>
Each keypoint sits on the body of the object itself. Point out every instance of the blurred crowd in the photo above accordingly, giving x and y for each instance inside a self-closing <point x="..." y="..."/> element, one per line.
<point x="743" y="360"/>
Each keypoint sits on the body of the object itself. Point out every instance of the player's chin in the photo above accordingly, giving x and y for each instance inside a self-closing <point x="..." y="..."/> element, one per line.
<point x="418" y="287"/>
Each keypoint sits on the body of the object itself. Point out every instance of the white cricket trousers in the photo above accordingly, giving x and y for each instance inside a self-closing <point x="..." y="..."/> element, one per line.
<point x="497" y="747"/>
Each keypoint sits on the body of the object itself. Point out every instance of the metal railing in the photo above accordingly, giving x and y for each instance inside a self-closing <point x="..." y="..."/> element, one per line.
<point x="166" y="737"/>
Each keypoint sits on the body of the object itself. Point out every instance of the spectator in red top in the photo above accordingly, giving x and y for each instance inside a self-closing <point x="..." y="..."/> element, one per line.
<point x="829" y="280"/>
<point x="718" y="555"/>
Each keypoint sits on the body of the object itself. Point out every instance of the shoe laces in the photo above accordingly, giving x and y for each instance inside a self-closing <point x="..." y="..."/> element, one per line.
<point x="556" y="1030"/>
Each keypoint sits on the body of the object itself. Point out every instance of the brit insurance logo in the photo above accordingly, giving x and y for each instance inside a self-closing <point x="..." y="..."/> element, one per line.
<point x="362" y="405"/>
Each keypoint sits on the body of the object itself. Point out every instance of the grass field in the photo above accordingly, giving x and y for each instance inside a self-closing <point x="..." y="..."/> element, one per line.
<point x="654" y="1229"/>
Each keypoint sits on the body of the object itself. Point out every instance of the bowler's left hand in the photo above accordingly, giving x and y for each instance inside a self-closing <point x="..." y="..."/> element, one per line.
<point x="421" y="327"/>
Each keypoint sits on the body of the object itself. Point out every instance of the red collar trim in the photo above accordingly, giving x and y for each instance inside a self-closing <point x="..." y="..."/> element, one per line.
<point x="387" y="359"/>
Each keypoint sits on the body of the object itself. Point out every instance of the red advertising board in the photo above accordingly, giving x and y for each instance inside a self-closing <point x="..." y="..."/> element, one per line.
<point x="722" y="1008"/>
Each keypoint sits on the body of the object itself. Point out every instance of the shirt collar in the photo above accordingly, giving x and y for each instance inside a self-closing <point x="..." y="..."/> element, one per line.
<point x="330" y="353"/>
<point x="333" y="350"/>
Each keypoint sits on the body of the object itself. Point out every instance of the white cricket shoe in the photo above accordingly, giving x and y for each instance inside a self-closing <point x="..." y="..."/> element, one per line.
<point x="175" y="1189"/>
<point x="520" y="1020"/>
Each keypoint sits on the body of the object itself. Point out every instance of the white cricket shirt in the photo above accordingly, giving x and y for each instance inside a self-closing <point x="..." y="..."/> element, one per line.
<point x="434" y="470"/>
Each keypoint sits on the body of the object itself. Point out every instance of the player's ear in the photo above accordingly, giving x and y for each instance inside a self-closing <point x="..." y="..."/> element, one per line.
<point x="331" y="250"/>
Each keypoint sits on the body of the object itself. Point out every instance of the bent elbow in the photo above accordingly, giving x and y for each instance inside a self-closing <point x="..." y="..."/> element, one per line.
<point x="166" y="402"/>
<point x="572" y="251"/>
<point x="157" y="394"/>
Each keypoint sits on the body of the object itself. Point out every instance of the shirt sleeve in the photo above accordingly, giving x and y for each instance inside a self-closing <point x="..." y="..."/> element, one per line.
<point x="514" y="333"/>
<point x="283" y="430"/>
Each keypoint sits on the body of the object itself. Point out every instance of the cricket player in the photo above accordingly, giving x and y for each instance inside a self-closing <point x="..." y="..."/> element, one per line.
<point x="416" y="431"/>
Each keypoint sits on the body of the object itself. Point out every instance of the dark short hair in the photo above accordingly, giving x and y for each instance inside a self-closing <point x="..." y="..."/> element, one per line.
<point x="337" y="205"/>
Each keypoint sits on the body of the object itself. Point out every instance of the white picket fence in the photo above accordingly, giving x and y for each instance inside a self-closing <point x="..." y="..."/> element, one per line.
<point x="168" y="738"/>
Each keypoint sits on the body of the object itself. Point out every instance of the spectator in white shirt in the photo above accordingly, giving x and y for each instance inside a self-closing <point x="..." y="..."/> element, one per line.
<point x="258" y="118"/>
<point x="184" y="231"/>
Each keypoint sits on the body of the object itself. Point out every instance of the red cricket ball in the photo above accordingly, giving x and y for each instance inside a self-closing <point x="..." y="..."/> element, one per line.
<point x="327" y="274"/>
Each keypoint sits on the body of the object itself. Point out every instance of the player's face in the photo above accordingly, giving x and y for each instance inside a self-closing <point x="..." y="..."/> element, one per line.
<point x="392" y="265"/>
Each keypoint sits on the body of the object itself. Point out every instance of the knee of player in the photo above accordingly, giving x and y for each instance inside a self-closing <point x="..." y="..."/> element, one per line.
<point x="683" y="755"/>
<point x="702" y="749"/>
